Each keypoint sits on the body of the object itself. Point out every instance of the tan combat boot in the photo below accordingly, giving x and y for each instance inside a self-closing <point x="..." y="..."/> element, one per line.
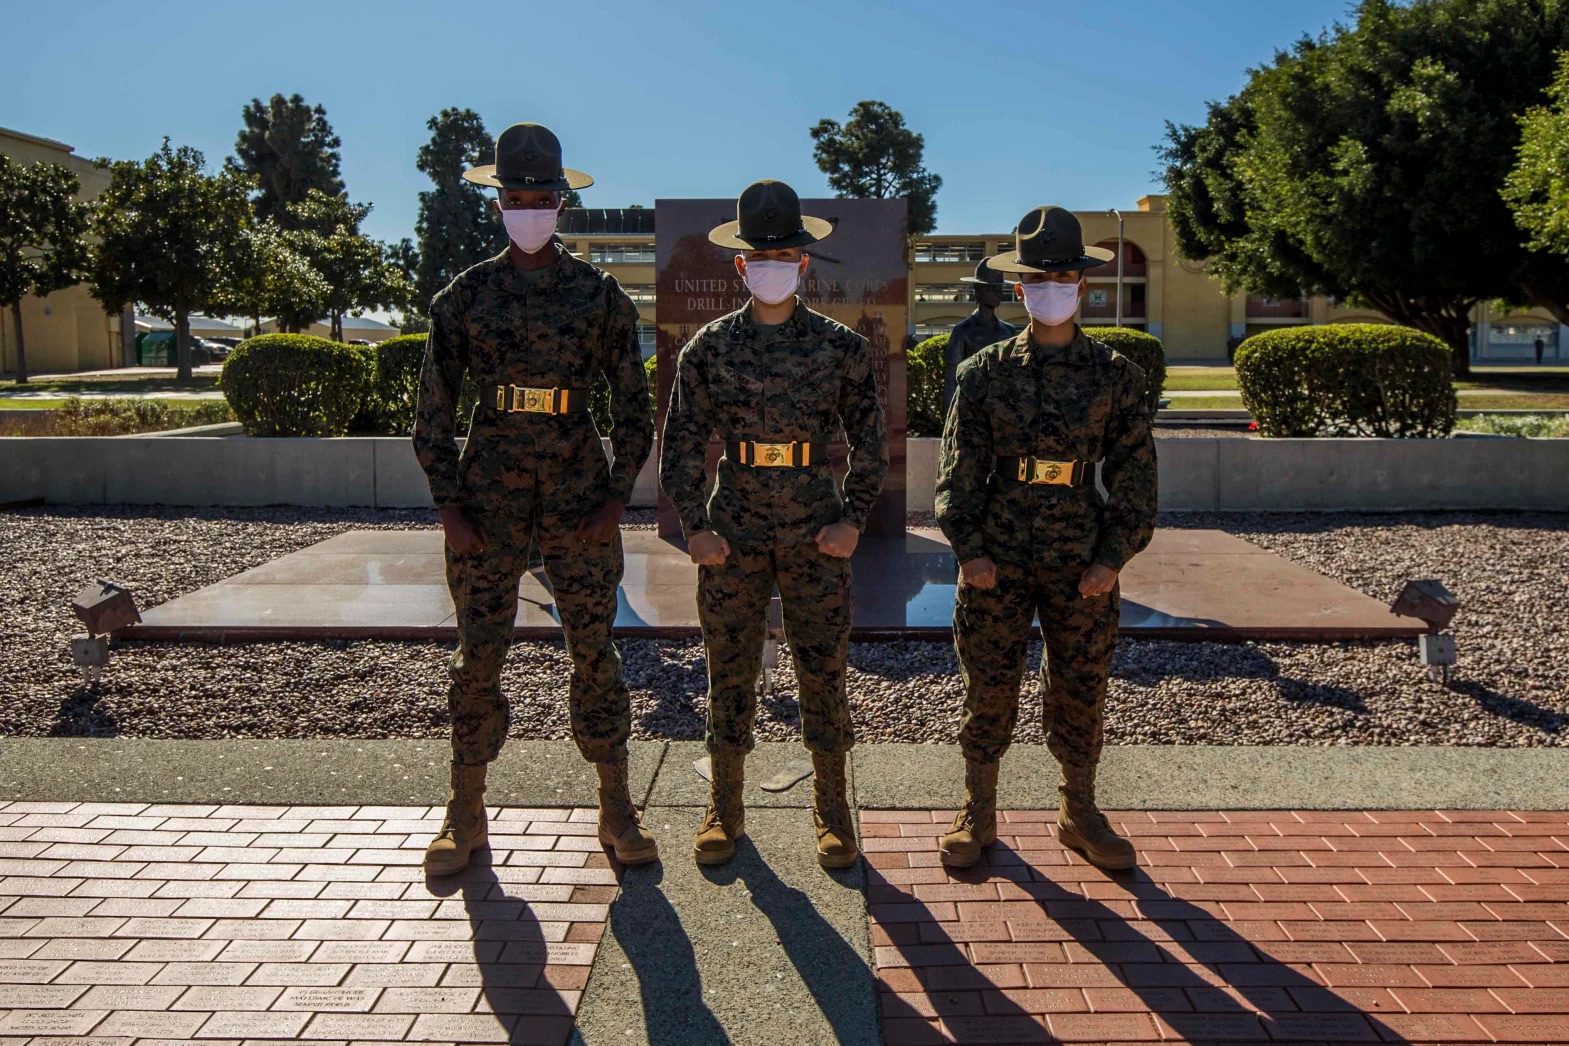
<point x="725" y="820"/>
<point x="620" y="824"/>
<point x="1082" y="826"/>
<point x="831" y="813"/>
<point x="975" y="826"/>
<point x="465" y="828"/>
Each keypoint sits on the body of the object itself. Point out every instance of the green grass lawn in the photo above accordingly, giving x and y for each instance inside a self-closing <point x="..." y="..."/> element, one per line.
<point x="1532" y="380"/>
<point x="118" y="386"/>
<point x="1470" y="401"/>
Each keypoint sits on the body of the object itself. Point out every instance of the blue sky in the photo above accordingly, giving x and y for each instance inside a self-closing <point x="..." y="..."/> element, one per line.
<point x="1020" y="104"/>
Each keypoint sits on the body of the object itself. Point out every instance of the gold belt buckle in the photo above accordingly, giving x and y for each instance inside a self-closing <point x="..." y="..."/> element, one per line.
<point x="1046" y="473"/>
<point x="773" y="455"/>
<point x="533" y="401"/>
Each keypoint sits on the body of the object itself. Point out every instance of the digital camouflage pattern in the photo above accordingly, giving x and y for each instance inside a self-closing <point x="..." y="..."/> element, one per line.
<point x="533" y="475"/>
<point x="801" y="381"/>
<point x="969" y="336"/>
<point x="1081" y="402"/>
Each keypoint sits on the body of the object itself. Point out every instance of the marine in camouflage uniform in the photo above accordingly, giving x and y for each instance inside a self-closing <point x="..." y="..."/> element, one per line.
<point x="977" y="330"/>
<point x="1016" y="492"/>
<point x="775" y="393"/>
<point x="535" y="331"/>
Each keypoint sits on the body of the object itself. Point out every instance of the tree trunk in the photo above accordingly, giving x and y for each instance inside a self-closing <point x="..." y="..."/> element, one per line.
<point x="182" y="344"/>
<point x="337" y="327"/>
<point x="21" y="346"/>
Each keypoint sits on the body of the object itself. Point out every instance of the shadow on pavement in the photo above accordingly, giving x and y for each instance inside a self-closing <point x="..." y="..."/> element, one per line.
<point x="826" y="962"/>
<point x="648" y="929"/>
<point x="511" y="948"/>
<point x="1177" y="960"/>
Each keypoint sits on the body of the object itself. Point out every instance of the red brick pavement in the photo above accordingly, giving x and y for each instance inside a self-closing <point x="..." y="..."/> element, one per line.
<point x="1264" y="927"/>
<point x="130" y="923"/>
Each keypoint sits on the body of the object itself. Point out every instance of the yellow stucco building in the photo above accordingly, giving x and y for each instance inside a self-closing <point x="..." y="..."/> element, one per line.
<point x="67" y="330"/>
<point x="1170" y="296"/>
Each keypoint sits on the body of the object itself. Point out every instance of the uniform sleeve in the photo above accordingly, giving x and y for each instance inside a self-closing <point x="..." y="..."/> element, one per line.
<point x="866" y="428"/>
<point x="435" y="414"/>
<point x="632" y="420"/>
<point x="965" y="465"/>
<point x="683" y="451"/>
<point x="1128" y="473"/>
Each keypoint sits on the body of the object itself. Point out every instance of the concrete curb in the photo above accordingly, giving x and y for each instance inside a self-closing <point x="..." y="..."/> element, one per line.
<point x="912" y="776"/>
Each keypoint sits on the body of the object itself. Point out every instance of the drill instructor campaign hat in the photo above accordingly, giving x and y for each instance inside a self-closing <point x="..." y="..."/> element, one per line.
<point x="528" y="156"/>
<point x="1049" y="239"/>
<point x="768" y="217"/>
<point x="985" y="276"/>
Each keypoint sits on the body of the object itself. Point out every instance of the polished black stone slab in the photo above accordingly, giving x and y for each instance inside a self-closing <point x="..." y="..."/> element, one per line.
<point x="1189" y="584"/>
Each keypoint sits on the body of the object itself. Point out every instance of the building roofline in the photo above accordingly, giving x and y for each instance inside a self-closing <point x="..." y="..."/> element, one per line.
<point x="36" y="139"/>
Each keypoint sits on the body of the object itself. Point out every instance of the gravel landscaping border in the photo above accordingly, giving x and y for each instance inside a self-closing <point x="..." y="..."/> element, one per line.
<point x="1511" y="688"/>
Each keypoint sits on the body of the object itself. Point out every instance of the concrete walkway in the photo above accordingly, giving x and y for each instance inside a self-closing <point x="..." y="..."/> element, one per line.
<point x="312" y="845"/>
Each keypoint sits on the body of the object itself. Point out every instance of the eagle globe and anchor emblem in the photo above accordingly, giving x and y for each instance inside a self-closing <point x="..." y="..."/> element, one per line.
<point x="1052" y="471"/>
<point x="773" y="455"/>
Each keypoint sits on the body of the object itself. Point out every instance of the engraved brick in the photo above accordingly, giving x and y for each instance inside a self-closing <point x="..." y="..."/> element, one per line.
<point x="50" y="1022"/>
<point x="320" y="1000"/>
<point x="305" y="974"/>
<point x="248" y="1025"/>
<point x="204" y="973"/>
<point x="149" y="1024"/>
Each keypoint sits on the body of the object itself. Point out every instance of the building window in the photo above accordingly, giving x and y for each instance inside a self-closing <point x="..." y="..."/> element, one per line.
<point x="950" y="252"/>
<point x="943" y="292"/>
<point x="1134" y="264"/>
<point x="621" y="253"/>
<point x="647" y="339"/>
<point x="1096" y="298"/>
<point x="642" y="293"/>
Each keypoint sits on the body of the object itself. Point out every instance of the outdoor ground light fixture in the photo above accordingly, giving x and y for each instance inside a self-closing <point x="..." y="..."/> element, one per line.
<point x="104" y="607"/>
<point x="1431" y="602"/>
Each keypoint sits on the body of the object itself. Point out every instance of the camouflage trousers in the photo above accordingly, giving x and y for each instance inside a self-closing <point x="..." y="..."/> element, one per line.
<point x="991" y="630"/>
<point x="583" y="579"/>
<point x="732" y="605"/>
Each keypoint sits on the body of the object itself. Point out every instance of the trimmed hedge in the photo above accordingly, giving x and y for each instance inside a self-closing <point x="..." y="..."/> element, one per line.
<point x="925" y="362"/>
<point x="121" y="417"/>
<point x="296" y="385"/>
<point x="923" y="383"/>
<point x="1143" y="349"/>
<point x="1348" y="379"/>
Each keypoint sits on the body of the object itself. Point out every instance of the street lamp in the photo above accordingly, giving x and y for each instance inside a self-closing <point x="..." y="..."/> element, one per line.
<point x="1120" y="241"/>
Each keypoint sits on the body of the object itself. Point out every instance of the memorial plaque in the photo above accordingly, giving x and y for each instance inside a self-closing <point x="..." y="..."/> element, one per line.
<point x="859" y="276"/>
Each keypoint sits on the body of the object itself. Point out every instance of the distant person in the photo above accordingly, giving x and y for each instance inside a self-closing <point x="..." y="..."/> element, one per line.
<point x="1016" y="496"/>
<point x="978" y="330"/>
<point x="1540" y="347"/>
<point x="535" y="328"/>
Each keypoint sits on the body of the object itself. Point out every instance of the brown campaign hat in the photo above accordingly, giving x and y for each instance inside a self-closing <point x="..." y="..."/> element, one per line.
<point x="1049" y="239"/>
<point x="985" y="276"/>
<point x="528" y="156"/>
<point x="768" y="217"/>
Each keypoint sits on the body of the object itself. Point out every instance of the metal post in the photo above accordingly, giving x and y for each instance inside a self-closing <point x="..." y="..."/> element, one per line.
<point x="1120" y="241"/>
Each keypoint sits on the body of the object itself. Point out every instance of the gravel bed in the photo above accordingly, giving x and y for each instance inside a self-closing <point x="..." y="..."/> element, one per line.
<point x="1198" y="432"/>
<point x="1511" y="688"/>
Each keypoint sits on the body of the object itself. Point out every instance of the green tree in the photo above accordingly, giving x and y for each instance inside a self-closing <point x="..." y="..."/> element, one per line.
<point x="455" y="228"/>
<point x="359" y="272"/>
<point x="1537" y="189"/>
<point x="167" y="234"/>
<point x="270" y="278"/>
<point x="289" y="148"/>
<point x="874" y="155"/>
<point x="42" y="244"/>
<point x="1367" y="164"/>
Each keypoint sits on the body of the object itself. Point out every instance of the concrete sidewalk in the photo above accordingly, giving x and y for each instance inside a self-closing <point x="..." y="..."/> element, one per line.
<point x="770" y="949"/>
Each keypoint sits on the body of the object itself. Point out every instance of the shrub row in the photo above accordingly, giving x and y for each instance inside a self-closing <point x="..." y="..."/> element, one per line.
<point x="924" y="373"/>
<point x="1347" y="379"/>
<point x="124" y="417"/>
<point x="300" y="385"/>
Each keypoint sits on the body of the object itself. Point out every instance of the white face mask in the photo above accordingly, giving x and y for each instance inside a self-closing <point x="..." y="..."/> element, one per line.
<point x="772" y="282"/>
<point x="1051" y="303"/>
<point x="530" y="227"/>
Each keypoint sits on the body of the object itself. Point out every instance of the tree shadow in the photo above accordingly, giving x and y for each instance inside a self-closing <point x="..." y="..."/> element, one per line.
<point x="649" y="931"/>
<point x="1119" y="933"/>
<point x="512" y="949"/>
<point x="834" y="972"/>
